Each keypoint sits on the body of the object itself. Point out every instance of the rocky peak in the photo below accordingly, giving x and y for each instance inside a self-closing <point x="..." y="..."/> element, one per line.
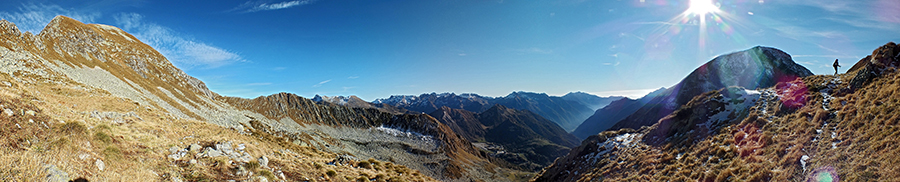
<point x="8" y="29"/>
<point x="757" y="67"/>
<point x="886" y="57"/>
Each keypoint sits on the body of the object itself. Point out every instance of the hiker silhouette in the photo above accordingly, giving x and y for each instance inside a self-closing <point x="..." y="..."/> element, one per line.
<point x="836" y="65"/>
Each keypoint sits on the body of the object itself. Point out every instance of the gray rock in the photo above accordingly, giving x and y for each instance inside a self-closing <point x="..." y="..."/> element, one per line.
<point x="173" y="150"/>
<point x="209" y="152"/>
<point x="54" y="174"/>
<point x="195" y="148"/>
<point x="264" y="161"/>
<point x="177" y="155"/>
<point x="8" y="112"/>
<point x="100" y="165"/>
<point x="243" y="158"/>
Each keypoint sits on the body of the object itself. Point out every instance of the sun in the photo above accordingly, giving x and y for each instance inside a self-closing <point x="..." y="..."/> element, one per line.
<point x="702" y="7"/>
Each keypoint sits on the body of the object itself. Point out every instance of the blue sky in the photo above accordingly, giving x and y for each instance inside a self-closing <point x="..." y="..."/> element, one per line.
<point x="378" y="48"/>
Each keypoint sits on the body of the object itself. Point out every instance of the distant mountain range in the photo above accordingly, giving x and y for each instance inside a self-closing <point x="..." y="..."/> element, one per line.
<point x="567" y="111"/>
<point x="525" y="138"/>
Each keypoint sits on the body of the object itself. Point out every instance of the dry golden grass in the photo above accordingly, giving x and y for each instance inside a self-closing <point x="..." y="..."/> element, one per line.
<point x="64" y="135"/>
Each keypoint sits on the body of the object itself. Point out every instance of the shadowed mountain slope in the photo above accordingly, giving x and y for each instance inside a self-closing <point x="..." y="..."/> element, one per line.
<point x="520" y="132"/>
<point x="611" y="114"/>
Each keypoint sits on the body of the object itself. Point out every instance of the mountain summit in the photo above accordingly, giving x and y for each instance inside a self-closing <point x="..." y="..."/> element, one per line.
<point x="757" y="67"/>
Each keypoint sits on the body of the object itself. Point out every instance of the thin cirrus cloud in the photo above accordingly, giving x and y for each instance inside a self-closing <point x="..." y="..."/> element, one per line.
<point x="33" y="17"/>
<point x="255" y="6"/>
<point x="321" y="83"/>
<point x="182" y="51"/>
<point x="877" y="14"/>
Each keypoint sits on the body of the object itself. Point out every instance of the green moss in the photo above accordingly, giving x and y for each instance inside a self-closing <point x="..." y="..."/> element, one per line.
<point x="112" y="152"/>
<point x="252" y="165"/>
<point x="73" y="128"/>
<point x="103" y="137"/>
<point x="268" y="174"/>
<point x="331" y="173"/>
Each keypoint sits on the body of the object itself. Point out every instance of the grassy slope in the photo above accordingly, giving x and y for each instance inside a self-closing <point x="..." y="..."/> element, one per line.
<point x="63" y="134"/>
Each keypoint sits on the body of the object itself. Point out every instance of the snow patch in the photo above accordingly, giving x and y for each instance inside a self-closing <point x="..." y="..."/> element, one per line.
<point x="743" y="100"/>
<point x="407" y="134"/>
<point x="114" y="30"/>
<point x="618" y="142"/>
<point x="803" y="160"/>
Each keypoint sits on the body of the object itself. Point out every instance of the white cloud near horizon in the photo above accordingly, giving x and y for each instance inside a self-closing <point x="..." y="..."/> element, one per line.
<point x="34" y="17"/>
<point x="255" y="6"/>
<point x="179" y="50"/>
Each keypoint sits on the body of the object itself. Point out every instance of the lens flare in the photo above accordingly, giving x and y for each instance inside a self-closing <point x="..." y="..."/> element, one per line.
<point x="702" y="7"/>
<point x="823" y="174"/>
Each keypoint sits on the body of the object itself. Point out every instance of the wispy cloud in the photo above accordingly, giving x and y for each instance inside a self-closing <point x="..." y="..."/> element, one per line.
<point x="254" y="6"/>
<point x="824" y="56"/>
<point x="878" y="14"/>
<point x="321" y="83"/>
<point x="353" y="77"/>
<point x="33" y="17"/>
<point x="184" y="52"/>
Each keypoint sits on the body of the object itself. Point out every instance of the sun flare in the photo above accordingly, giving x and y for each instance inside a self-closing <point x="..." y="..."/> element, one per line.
<point x="702" y="7"/>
